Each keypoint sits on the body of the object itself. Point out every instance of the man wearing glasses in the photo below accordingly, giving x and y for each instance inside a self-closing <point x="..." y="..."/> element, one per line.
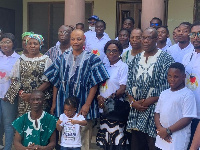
<point x="147" y="77"/>
<point x="191" y="61"/>
<point x="156" y="23"/>
<point x="183" y="46"/>
<point x="64" y="43"/>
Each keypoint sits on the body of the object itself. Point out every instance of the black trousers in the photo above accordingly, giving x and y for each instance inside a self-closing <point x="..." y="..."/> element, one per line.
<point x="142" y="141"/>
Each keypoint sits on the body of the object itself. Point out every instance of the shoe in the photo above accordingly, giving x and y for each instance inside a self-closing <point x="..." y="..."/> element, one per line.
<point x="1" y="147"/>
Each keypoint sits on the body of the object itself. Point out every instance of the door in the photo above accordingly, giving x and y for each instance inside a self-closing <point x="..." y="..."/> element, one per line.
<point x="129" y="9"/>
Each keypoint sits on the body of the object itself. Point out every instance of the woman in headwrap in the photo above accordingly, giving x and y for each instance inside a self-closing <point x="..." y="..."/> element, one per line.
<point x="24" y="37"/>
<point x="27" y="74"/>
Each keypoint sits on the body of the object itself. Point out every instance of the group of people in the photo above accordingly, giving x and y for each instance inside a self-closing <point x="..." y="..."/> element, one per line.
<point x="71" y="85"/>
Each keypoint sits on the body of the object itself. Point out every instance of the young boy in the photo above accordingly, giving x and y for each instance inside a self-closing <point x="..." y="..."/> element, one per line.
<point x="174" y="111"/>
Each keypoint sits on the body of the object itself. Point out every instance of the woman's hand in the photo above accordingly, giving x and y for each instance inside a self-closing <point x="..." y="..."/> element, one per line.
<point x="101" y="101"/>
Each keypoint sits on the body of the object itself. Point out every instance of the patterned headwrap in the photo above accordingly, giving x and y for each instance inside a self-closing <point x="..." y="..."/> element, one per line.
<point x="37" y="37"/>
<point x="26" y="34"/>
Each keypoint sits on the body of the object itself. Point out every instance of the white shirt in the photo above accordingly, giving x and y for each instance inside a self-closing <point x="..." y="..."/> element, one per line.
<point x="191" y="61"/>
<point x="126" y="49"/>
<point x="71" y="136"/>
<point x="90" y="33"/>
<point x="118" y="76"/>
<point x="168" y="43"/>
<point x="96" y="46"/>
<point x="173" y="106"/>
<point x="177" y="53"/>
<point x="165" y="48"/>
<point x="127" y="57"/>
<point x="6" y="65"/>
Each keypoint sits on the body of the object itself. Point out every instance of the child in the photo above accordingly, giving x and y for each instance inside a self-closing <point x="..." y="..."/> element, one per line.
<point x="69" y="123"/>
<point x="174" y="111"/>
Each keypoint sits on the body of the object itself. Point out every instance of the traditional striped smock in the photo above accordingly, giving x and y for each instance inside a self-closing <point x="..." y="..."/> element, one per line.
<point x="76" y="78"/>
<point x="55" y="51"/>
<point x="147" y="80"/>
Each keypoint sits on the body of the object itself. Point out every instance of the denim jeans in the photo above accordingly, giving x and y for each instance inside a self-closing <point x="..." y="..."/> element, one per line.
<point x="8" y="113"/>
<point x="70" y="148"/>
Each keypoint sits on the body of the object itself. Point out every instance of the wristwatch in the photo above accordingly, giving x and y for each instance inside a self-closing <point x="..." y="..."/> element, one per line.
<point x="169" y="132"/>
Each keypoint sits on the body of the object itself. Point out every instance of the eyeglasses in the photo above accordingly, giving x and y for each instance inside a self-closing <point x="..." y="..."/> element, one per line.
<point x="148" y="38"/>
<point x="5" y="43"/>
<point x="91" y="22"/>
<point x="114" y="51"/>
<point x="154" y="24"/>
<point x="194" y="34"/>
<point x="63" y="32"/>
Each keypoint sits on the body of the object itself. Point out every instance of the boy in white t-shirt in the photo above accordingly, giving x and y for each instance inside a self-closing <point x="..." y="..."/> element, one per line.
<point x="69" y="123"/>
<point x="174" y="111"/>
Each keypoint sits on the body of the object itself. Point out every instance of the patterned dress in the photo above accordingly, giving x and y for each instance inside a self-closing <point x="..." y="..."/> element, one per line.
<point x="28" y="76"/>
<point x="75" y="76"/>
<point x="30" y="133"/>
<point x="146" y="80"/>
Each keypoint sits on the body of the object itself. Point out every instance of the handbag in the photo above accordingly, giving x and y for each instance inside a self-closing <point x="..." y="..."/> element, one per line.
<point x="116" y="109"/>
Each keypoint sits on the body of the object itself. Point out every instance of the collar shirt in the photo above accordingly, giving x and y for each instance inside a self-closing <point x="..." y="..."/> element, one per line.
<point x="118" y="76"/>
<point x="177" y="53"/>
<point x="96" y="46"/>
<point x="168" y="43"/>
<point x="165" y="48"/>
<point x="126" y="49"/>
<point x="191" y="61"/>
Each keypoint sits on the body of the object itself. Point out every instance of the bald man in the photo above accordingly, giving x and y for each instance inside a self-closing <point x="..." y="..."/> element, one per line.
<point x="147" y="78"/>
<point x="78" y="73"/>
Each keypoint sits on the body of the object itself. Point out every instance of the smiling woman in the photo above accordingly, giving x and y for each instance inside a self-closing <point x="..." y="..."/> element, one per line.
<point x="114" y="87"/>
<point x="27" y="75"/>
<point x="8" y="57"/>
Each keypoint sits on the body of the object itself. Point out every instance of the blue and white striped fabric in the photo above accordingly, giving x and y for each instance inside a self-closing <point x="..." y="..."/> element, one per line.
<point x="76" y="78"/>
<point x="55" y="52"/>
<point x="141" y="88"/>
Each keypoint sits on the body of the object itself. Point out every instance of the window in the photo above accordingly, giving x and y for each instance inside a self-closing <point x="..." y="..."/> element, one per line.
<point x="46" y="17"/>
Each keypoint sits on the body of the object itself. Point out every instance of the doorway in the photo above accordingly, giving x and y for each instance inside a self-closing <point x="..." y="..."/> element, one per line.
<point x="129" y="9"/>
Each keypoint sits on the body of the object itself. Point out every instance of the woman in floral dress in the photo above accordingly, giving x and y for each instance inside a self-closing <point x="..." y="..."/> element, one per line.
<point x="27" y="74"/>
